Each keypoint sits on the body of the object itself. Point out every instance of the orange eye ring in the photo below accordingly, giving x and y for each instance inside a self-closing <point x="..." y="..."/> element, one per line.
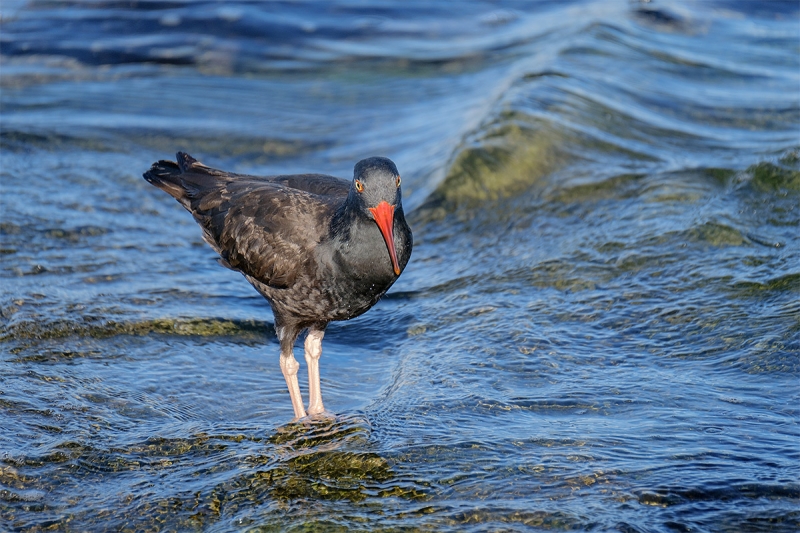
<point x="359" y="186"/>
<point x="398" y="181"/>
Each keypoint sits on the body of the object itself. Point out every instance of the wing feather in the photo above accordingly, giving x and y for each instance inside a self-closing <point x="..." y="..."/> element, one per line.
<point x="264" y="227"/>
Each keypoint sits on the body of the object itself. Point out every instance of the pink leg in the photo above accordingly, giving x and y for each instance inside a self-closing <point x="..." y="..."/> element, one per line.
<point x="289" y="367"/>
<point x="313" y="348"/>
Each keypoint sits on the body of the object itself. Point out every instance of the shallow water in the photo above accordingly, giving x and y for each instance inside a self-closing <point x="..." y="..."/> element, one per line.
<point x="599" y="328"/>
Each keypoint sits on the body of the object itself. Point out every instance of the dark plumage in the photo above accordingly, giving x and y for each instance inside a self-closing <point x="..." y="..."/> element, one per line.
<point x="318" y="248"/>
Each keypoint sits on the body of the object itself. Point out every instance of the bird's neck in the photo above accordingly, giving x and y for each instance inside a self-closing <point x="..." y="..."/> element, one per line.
<point x="344" y="218"/>
<point x="358" y="246"/>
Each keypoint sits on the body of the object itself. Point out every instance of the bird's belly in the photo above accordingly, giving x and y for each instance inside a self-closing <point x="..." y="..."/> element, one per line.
<point x="348" y="300"/>
<point x="323" y="302"/>
<point x="354" y="307"/>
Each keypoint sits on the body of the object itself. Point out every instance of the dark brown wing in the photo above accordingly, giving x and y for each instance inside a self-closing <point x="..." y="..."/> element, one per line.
<point x="265" y="227"/>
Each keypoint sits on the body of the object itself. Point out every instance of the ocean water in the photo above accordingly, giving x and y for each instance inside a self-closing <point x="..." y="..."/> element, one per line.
<point x="599" y="328"/>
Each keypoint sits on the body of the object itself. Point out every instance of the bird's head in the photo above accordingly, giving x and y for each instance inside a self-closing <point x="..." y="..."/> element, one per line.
<point x="376" y="192"/>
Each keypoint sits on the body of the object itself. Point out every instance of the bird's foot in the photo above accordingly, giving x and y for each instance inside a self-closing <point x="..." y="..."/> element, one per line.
<point x="315" y="409"/>
<point x="314" y="419"/>
<point x="319" y="416"/>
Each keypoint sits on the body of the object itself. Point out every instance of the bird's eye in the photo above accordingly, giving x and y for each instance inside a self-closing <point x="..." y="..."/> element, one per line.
<point x="359" y="186"/>
<point x="398" y="181"/>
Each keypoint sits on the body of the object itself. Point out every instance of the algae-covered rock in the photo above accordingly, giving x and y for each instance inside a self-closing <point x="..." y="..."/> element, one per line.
<point x="91" y="327"/>
<point x="783" y="176"/>
<point x="507" y="159"/>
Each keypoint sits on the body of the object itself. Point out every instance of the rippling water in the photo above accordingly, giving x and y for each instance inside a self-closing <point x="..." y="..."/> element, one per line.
<point x="599" y="328"/>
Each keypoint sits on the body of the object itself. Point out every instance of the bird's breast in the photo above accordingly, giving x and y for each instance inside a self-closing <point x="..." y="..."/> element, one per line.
<point x="356" y="273"/>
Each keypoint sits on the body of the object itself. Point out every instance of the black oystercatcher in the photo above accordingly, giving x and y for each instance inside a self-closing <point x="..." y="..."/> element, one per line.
<point x="318" y="248"/>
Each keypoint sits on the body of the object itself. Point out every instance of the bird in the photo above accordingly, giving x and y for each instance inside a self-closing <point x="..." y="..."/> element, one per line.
<point x="317" y="247"/>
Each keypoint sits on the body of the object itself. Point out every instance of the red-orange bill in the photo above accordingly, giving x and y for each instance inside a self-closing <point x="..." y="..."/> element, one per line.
<point x="384" y="216"/>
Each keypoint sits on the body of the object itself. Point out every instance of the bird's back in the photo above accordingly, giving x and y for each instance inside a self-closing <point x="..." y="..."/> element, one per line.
<point x="264" y="227"/>
<point x="189" y="178"/>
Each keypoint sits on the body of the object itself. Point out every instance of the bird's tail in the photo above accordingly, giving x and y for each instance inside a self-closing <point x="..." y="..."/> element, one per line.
<point x="166" y="175"/>
<point x="183" y="180"/>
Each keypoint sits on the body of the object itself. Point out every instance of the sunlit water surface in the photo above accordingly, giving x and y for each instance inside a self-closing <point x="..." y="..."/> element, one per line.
<point x="599" y="328"/>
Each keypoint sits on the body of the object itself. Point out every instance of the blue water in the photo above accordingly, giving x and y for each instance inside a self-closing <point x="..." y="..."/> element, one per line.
<point x="599" y="329"/>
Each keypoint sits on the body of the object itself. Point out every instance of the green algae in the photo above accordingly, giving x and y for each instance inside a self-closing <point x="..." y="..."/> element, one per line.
<point x="783" y="175"/>
<point x="780" y="284"/>
<point x="91" y="327"/>
<point x="507" y="159"/>
<point x="330" y="475"/>
<point x="717" y="234"/>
